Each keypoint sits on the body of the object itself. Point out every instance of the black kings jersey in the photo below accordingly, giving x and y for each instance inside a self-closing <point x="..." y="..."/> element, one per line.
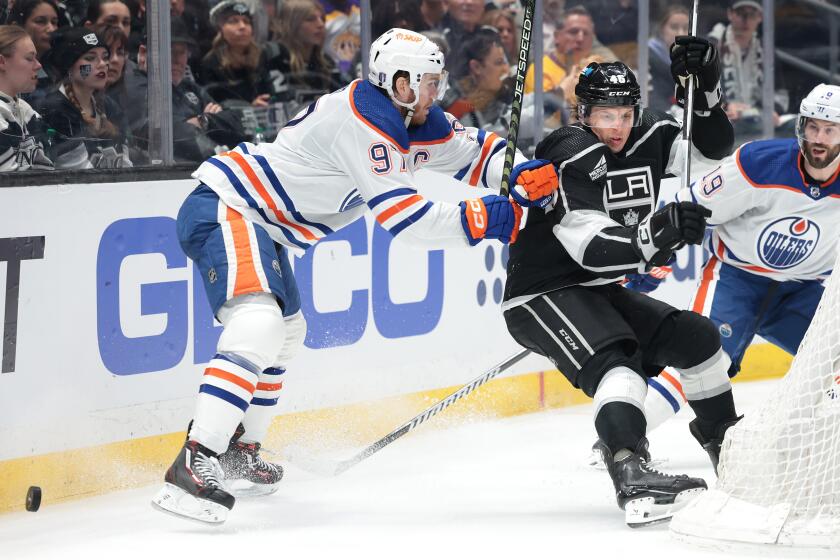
<point x="585" y="240"/>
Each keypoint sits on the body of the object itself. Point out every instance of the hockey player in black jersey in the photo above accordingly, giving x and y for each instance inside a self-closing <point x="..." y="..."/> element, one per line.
<point x="564" y="298"/>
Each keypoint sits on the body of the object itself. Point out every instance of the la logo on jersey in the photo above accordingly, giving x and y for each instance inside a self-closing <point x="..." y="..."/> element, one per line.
<point x="787" y="242"/>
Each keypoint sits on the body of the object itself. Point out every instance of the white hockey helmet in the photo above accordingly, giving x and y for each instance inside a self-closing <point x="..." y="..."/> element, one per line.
<point x="823" y="103"/>
<point x="403" y="50"/>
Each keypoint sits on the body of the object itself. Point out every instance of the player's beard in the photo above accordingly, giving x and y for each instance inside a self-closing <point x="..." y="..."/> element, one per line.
<point x="831" y="153"/>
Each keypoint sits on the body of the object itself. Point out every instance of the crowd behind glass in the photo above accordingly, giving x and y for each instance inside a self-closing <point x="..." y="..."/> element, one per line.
<point x="73" y="82"/>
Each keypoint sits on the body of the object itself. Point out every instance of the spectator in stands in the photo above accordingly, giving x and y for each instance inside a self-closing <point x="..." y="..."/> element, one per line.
<point x="661" y="87"/>
<point x="39" y="18"/>
<point x="110" y="12"/>
<point x="433" y="12"/>
<point x="479" y="94"/>
<point x="405" y="14"/>
<point x="504" y="21"/>
<point x="462" y="20"/>
<point x="300" y="33"/>
<point x="236" y="68"/>
<point x="89" y="126"/>
<point x="742" y="72"/>
<point x="574" y="40"/>
<point x="617" y="24"/>
<point x="118" y="63"/>
<point x="196" y="16"/>
<point x="200" y="125"/>
<point x="344" y="39"/>
<point x="21" y="128"/>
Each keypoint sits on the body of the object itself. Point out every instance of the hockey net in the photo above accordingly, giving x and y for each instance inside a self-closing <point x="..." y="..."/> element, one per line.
<point x="780" y="466"/>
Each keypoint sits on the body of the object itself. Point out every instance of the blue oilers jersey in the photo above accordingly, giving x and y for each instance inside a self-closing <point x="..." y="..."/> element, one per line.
<point x="766" y="217"/>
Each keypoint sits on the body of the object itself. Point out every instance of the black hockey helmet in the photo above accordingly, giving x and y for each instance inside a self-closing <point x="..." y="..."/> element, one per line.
<point x="607" y="84"/>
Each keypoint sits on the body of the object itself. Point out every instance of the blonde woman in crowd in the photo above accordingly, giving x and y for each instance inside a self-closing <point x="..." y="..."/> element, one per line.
<point x="21" y="128"/>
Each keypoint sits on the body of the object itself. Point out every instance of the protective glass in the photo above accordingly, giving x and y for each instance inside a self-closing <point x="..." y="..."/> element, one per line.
<point x="610" y="116"/>
<point x="817" y="131"/>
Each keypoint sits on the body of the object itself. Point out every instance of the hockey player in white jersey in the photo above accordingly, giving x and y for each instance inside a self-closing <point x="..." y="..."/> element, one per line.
<point x="352" y="151"/>
<point x="775" y="226"/>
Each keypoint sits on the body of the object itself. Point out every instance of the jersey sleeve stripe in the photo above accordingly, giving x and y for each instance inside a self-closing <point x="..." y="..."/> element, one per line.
<point x="500" y="146"/>
<point x="402" y="205"/>
<point x="378" y="199"/>
<point x="460" y="175"/>
<point x="485" y="151"/>
<point x="286" y="233"/>
<point x="411" y="219"/>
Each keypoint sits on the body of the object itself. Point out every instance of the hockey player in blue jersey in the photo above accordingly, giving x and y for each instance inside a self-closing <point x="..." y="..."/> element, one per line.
<point x="350" y="152"/>
<point x="775" y="226"/>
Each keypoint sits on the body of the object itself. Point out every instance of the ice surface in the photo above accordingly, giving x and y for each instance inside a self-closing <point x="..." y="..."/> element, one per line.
<point x="510" y="489"/>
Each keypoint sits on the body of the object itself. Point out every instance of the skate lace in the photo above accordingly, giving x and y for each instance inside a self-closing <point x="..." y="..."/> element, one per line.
<point x="648" y="469"/>
<point x="208" y="469"/>
<point x="258" y="461"/>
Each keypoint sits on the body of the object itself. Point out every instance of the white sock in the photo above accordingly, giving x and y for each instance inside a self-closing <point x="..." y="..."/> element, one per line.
<point x="664" y="398"/>
<point x="262" y="409"/>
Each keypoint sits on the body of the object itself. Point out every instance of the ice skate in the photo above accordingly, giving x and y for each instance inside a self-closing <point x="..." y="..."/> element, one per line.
<point x="193" y="486"/>
<point x="594" y="459"/>
<point x="711" y="444"/>
<point x="646" y="495"/>
<point x="247" y="473"/>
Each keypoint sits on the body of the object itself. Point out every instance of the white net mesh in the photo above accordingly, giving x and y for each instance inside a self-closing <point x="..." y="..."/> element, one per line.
<point x="780" y="466"/>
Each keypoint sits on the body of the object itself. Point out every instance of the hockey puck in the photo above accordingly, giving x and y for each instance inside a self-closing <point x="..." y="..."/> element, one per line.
<point x="33" y="498"/>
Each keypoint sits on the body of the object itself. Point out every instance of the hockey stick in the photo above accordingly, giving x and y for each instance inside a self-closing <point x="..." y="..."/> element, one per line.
<point x="333" y="468"/>
<point x="518" y="93"/>
<point x="688" y="110"/>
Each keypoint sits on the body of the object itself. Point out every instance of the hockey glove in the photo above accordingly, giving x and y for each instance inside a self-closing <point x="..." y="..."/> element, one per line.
<point x="534" y="183"/>
<point x="490" y="217"/>
<point x="698" y="57"/>
<point x="668" y="229"/>
<point x="645" y="283"/>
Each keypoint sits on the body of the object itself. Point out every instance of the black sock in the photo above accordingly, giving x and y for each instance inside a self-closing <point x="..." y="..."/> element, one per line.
<point x="620" y="425"/>
<point x="713" y="412"/>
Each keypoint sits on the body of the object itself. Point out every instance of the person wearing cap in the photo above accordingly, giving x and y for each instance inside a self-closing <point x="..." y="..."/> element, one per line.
<point x="351" y="153"/>
<point x="742" y="70"/>
<point x="236" y="68"/>
<point x="200" y="125"/>
<point x="775" y="229"/>
<point x="89" y="125"/>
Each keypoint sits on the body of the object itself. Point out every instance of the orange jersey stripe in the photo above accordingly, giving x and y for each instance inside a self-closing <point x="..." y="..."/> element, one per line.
<point x="269" y="386"/>
<point x="227" y="376"/>
<point x="413" y="199"/>
<point x="673" y="382"/>
<point x="263" y="192"/>
<point x="246" y="281"/>
<point x="488" y="143"/>
<point x="703" y="290"/>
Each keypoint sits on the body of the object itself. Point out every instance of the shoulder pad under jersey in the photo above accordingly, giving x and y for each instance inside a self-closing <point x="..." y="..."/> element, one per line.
<point x="575" y="147"/>
<point x="378" y="112"/>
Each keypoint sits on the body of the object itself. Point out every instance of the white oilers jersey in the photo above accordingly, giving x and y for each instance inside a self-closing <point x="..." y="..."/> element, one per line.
<point x="766" y="218"/>
<point x="349" y="152"/>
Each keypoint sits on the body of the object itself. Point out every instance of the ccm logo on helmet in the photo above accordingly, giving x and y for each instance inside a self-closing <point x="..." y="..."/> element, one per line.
<point x="787" y="242"/>
<point x="618" y="93"/>
<point x="412" y="38"/>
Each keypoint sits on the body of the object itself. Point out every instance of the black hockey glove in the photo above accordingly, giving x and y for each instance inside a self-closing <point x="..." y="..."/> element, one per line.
<point x="668" y="229"/>
<point x="698" y="57"/>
